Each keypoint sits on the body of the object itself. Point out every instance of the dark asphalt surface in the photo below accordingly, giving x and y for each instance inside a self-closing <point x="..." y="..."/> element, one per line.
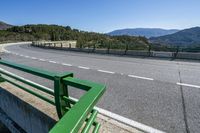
<point x="159" y="103"/>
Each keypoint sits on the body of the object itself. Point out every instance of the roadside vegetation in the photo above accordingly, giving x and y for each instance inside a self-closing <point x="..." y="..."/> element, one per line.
<point x="84" y="39"/>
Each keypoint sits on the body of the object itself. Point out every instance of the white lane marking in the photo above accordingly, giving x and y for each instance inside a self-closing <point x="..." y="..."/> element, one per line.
<point x="26" y="56"/>
<point x="65" y="64"/>
<point x="52" y="61"/>
<point x="139" y="77"/>
<point x="188" y="85"/>
<point x="33" y="58"/>
<point x="104" y="71"/>
<point x="125" y="120"/>
<point x="82" y="67"/>
<point x="42" y="59"/>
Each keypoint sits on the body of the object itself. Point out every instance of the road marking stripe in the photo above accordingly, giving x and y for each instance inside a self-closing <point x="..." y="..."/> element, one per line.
<point x="188" y="85"/>
<point x="82" y="67"/>
<point x="125" y="120"/>
<point x="128" y="121"/>
<point x="21" y="55"/>
<point x="33" y="58"/>
<point x="66" y="64"/>
<point x="42" y="59"/>
<point x="26" y="56"/>
<point x="52" y="61"/>
<point x="139" y="77"/>
<point x="104" y="71"/>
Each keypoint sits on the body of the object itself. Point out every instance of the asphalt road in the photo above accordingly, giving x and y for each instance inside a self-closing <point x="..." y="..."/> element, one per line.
<point x="163" y="94"/>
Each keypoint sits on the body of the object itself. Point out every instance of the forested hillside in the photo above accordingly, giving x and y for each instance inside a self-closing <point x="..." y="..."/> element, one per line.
<point x="184" y="38"/>
<point x="84" y="39"/>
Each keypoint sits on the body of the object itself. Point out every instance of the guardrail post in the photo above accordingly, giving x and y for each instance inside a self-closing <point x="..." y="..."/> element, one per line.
<point x="149" y="50"/>
<point x="94" y="48"/>
<point x="126" y="49"/>
<point x="108" y="50"/>
<point x="1" y="79"/>
<point x="60" y="90"/>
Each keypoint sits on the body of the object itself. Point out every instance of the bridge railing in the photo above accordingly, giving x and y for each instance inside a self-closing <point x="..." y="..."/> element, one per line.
<point x="74" y="115"/>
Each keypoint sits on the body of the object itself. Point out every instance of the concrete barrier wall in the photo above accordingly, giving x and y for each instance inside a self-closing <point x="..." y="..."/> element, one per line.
<point x="101" y="51"/>
<point x="186" y="55"/>
<point x="180" y="55"/>
<point x="163" y="54"/>
<point x="26" y="116"/>
<point x="116" y="52"/>
<point x="138" y="53"/>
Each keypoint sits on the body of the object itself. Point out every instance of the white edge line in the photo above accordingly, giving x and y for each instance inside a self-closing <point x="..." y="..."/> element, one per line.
<point x="82" y="67"/>
<point x="104" y="71"/>
<point x="188" y="85"/>
<point x="66" y="64"/>
<point x="139" y="77"/>
<point x="125" y="120"/>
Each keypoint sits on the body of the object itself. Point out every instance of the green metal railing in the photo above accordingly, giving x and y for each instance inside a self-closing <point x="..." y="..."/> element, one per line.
<point x="74" y="115"/>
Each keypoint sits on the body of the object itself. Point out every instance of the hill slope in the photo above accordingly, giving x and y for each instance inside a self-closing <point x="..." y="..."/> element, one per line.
<point x="4" y="26"/>
<point x="187" y="37"/>
<point x="84" y="39"/>
<point x="147" y="32"/>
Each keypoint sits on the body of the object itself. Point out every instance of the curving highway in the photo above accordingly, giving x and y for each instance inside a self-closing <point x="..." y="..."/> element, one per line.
<point x="161" y="94"/>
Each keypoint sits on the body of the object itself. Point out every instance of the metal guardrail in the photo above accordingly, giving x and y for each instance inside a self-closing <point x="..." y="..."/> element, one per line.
<point x="152" y="51"/>
<point x="73" y="114"/>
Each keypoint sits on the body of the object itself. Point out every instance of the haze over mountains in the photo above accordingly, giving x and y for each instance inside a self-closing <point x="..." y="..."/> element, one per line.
<point x="4" y="26"/>
<point x="147" y="32"/>
<point x="185" y="38"/>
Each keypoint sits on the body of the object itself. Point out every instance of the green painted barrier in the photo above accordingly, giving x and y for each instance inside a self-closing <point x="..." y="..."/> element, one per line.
<point x="75" y="116"/>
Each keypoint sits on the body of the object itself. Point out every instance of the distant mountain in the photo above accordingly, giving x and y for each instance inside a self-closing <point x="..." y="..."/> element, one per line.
<point x="187" y="37"/>
<point x="147" y="32"/>
<point x="4" y="26"/>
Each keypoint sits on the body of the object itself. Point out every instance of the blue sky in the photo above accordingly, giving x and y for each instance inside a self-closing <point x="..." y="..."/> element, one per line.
<point x="103" y="15"/>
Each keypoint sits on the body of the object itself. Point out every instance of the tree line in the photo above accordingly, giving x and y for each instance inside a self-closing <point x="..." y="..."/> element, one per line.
<point x="84" y="39"/>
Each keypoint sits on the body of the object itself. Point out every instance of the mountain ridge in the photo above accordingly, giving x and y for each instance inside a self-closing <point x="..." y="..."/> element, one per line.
<point x="147" y="32"/>
<point x="4" y="26"/>
<point x="186" y="37"/>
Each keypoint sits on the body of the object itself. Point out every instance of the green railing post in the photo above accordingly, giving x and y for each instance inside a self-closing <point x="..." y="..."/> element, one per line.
<point x="60" y="90"/>
<point x="1" y="79"/>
